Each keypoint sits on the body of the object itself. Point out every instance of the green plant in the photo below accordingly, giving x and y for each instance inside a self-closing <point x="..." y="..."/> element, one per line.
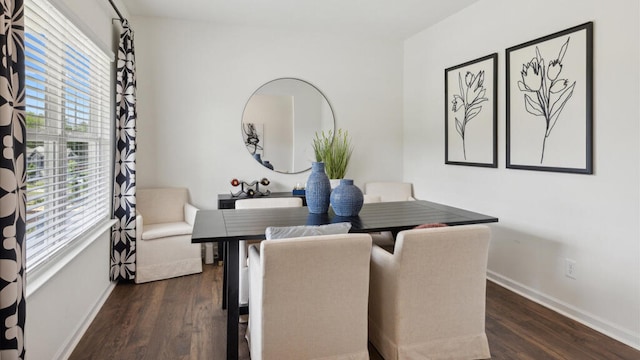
<point x="34" y="121"/>
<point x="334" y="150"/>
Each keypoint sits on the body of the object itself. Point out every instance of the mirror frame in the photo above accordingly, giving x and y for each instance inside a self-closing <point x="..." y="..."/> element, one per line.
<point x="333" y="117"/>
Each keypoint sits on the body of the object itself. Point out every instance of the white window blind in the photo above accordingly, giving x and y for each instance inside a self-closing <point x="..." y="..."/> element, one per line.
<point x="68" y="132"/>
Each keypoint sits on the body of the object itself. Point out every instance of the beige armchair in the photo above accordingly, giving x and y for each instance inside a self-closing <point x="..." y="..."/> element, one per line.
<point x="164" y="223"/>
<point x="309" y="298"/>
<point x="256" y="203"/>
<point x="427" y="299"/>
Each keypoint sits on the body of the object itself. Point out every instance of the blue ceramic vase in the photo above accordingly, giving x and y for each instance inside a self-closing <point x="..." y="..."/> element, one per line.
<point x="346" y="199"/>
<point x="318" y="189"/>
<point x="318" y="219"/>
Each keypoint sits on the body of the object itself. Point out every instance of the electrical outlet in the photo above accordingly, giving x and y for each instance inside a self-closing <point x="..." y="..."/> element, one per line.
<point x="570" y="268"/>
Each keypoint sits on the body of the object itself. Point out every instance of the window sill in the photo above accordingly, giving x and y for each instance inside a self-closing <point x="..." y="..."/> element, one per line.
<point x="39" y="276"/>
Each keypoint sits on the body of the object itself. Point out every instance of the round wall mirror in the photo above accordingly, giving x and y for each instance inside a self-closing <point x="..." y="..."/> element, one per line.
<point x="279" y="123"/>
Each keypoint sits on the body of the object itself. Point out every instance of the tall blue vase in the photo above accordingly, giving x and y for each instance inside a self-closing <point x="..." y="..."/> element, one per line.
<point x="346" y="199"/>
<point x="318" y="189"/>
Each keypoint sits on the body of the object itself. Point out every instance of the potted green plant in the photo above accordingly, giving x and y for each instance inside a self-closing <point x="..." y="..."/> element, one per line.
<point x="334" y="150"/>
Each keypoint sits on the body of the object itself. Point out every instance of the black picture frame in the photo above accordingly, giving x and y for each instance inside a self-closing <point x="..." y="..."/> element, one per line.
<point x="551" y="78"/>
<point x="471" y="93"/>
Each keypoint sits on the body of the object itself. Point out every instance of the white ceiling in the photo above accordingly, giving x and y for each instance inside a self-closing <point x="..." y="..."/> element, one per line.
<point x="397" y="19"/>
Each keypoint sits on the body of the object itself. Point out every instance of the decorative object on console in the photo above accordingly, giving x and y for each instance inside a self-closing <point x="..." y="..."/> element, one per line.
<point x="346" y="199"/>
<point x="318" y="189"/>
<point x="247" y="189"/>
<point x="334" y="150"/>
<point x="298" y="190"/>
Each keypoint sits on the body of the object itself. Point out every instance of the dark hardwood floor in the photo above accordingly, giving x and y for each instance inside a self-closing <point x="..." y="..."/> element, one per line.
<point x="181" y="318"/>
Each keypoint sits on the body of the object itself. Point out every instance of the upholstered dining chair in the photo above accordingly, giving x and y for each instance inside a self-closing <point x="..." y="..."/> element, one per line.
<point x="256" y="203"/>
<point x="309" y="297"/>
<point x="385" y="192"/>
<point x="390" y="191"/>
<point x="427" y="298"/>
<point x="164" y="223"/>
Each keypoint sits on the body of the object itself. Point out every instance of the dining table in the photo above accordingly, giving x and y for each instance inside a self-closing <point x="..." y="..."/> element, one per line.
<point x="229" y="226"/>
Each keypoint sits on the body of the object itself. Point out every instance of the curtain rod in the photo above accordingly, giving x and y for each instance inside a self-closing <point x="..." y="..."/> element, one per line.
<point x="117" y="11"/>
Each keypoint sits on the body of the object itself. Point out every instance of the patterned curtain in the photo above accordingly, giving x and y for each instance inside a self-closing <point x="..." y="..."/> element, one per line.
<point x="123" y="237"/>
<point x="12" y="181"/>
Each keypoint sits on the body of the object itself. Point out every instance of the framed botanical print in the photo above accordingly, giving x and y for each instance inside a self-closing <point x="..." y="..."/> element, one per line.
<point x="471" y="94"/>
<point x="549" y="102"/>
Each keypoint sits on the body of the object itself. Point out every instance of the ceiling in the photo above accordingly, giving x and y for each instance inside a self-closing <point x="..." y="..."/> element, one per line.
<point x="397" y="19"/>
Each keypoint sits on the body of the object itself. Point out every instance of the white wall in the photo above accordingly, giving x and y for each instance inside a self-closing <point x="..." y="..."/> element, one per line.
<point x="59" y="311"/>
<point x="544" y="217"/>
<point x="194" y="79"/>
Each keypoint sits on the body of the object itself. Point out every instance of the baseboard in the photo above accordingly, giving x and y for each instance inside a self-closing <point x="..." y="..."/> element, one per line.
<point x="623" y="335"/>
<point x="66" y="350"/>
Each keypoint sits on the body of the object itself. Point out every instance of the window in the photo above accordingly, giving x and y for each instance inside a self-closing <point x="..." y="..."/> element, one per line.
<point x="68" y="132"/>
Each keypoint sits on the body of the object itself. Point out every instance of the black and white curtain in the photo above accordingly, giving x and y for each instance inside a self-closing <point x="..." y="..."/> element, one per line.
<point x="123" y="237"/>
<point x="12" y="181"/>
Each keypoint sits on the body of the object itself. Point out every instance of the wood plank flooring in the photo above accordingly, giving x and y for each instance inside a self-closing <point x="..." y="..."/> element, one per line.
<point x="181" y="318"/>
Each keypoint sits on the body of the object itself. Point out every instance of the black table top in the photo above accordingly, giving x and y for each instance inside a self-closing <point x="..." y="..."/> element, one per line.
<point x="233" y="224"/>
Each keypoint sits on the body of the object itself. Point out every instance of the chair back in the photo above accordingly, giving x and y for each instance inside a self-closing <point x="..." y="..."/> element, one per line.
<point x="368" y="199"/>
<point x="161" y="205"/>
<point x="390" y="191"/>
<point x="268" y="202"/>
<point x="312" y="294"/>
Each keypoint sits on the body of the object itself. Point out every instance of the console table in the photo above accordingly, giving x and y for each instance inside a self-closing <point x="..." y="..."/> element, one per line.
<point x="227" y="201"/>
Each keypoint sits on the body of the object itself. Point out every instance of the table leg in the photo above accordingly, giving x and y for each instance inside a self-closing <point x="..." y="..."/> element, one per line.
<point x="220" y="252"/>
<point x="225" y="275"/>
<point x="231" y="262"/>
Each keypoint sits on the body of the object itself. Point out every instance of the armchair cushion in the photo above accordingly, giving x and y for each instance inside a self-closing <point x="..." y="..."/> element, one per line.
<point x="284" y="232"/>
<point x="156" y="231"/>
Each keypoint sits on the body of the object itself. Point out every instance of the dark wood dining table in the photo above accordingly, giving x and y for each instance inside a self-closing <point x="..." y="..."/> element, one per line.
<point x="231" y="225"/>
